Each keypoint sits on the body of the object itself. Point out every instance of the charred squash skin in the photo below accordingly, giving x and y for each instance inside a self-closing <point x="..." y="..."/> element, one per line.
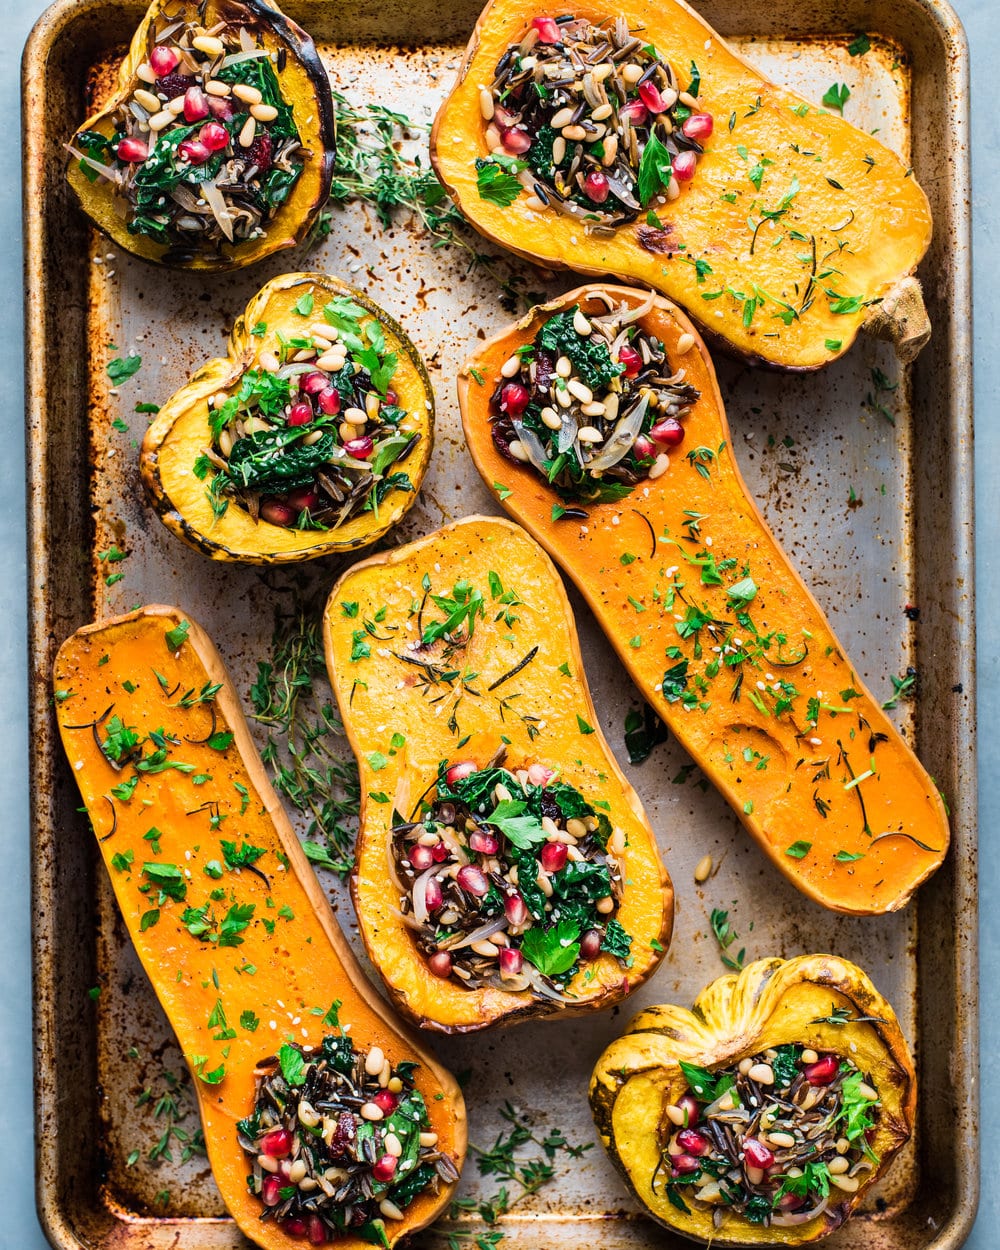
<point x="803" y="785"/>
<point x="181" y="432"/>
<point x="380" y="696"/>
<point x="770" y="1003"/>
<point x="304" y="86"/>
<point x="878" y="207"/>
<point x="307" y="963"/>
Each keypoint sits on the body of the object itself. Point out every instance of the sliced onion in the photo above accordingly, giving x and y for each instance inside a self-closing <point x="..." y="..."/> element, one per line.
<point x="419" y="895"/>
<point x="237" y="58"/>
<point x="862" y="1165"/>
<point x="477" y="935"/>
<point x="532" y="444"/>
<point x="511" y="985"/>
<point x="216" y="201"/>
<point x="540" y="986"/>
<point x="453" y="845"/>
<point x="620" y="443"/>
<point x="567" y="432"/>
<point x="391" y="866"/>
<point x="799" y="1217"/>
<point x="633" y="314"/>
<point x="408" y="920"/>
<point x="106" y="171"/>
<point x="293" y="370"/>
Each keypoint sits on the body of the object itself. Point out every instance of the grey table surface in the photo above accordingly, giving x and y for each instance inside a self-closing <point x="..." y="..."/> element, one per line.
<point x="19" y="1229"/>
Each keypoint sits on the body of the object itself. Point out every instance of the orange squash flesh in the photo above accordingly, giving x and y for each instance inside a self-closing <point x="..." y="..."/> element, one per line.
<point x="543" y="713"/>
<point x="841" y="806"/>
<point x="282" y="978"/>
<point x="878" y="211"/>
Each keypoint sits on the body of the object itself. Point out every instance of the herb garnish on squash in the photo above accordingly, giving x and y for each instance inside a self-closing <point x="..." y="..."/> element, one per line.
<point x="225" y="913"/>
<point x="461" y="647"/>
<point x="723" y="639"/>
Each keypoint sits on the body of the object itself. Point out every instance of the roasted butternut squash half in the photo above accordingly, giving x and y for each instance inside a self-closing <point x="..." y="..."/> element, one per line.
<point x="310" y="437"/>
<point x="762" y="1116"/>
<point x="505" y="868"/>
<point x="322" y="1118"/>
<point x="598" y="424"/>
<point x="629" y="139"/>
<point x="216" y="149"/>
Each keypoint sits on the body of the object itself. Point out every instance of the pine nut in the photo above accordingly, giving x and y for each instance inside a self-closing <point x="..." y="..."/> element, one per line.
<point x="587" y="434"/>
<point x="611" y="405"/>
<point x="689" y="100"/>
<point x="485" y="948"/>
<point x="246" y="135"/>
<point x="605" y="905"/>
<point x="216" y="87"/>
<point x="346" y="431"/>
<point x="159" y="120"/>
<point x="390" y="1210"/>
<point x="563" y="118"/>
<point x="745" y="1066"/>
<point x="371" y="1111"/>
<point x="393" y="1146"/>
<point x="249" y="95"/>
<point x="610" y="151"/>
<point x="601" y="112"/>
<point x="263" y="112"/>
<point x="307" y="353"/>
<point x="762" y="1073"/>
<point x="676" y="1115"/>
<point x="703" y="869"/>
<point x="175" y="106"/>
<point x="308" y="1183"/>
<point x="543" y="882"/>
<point x="839" y="1166"/>
<point x="563" y="397"/>
<point x="684" y="344"/>
<point x="145" y="73"/>
<point x="333" y="360"/>
<point x="576" y="827"/>
<point x="268" y="1162"/>
<point x="226" y="443"/>
<point x="149" y="102"/>
<point x="783" y="1139"/>
<point x="577" y="389"/>
<point x="297" y="1171"/>
<point x="659" y="466"/>
<point x="428" y="1140"/>
<point x="356" y="416"/>
<point x="549" y="827"/>
<point x="516" y="449"/>
<point x="673" y="1149"/>
<point x="616" y="843"/>
<point x="755" y="1175"/>
<point x="511" y="367"/>
<point x="809" y="1056"/>
<point x="372" y="404"/>
<point x="580" y="323"/>
<point x="575" y="133"/>
<point x="395" y="1085"/>
<point x="385" y="1075"/>
<point x="308" y="1115"/>
<point x="486" y="105"/>
<point x="596" y="409"/>
<point x="535" y="204"/>
<point x="558" y="150"/>
<point x="564" y="367"/>
<point x="726" y="1102"/>
<point x="269" y="362"/>
<point x="320" y="330"/>
<point x="673" y="188"/>
<point x="312" y="437"/>
<point x="374" y="1060"/>
<point x="551" y="418"/>
<point x="866" y="1091"/>
<point x="849" y="1184"/>
<point x="493" y="139"/>
<point x="208" y="44"/>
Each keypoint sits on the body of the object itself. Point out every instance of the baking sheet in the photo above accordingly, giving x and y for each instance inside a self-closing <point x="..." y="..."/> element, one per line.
<point x="875" y="515"/>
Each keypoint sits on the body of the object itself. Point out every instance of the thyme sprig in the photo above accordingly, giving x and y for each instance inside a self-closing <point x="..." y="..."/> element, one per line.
<point x="517" y="1176"/>
<point x="306" y="751"/>
<point x="377" y="164"/>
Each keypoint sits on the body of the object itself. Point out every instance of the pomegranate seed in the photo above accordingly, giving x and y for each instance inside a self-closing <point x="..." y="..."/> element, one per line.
<point x="360" y="448"/>
<point x="433" y="895"/>
<point x="384" y="1169"/>
<point x="293" y="1226"/>
<point x="649" y="94"/>
<point x="440" y="852"/>
<point x="515" y="909"/>
<point x="328" y="401"/>
<point x="220" y="109"/>
<point x="514" y="398"/>
<point x="195" y="104"/>
<point x="163" y="61"/>
<point x="644" y="448"/>
<point x="590" y="945"/>
<point x="277" y="1144"/>
<point x="195" y="151"/>
<point x="669" y="431"/>
<point x="630" y="358"/>
<point x="685" y="163"/>
<point x="484" y="843"/>
<point x="132" y="150"/>
<point x="472" y="880"/>
<point x="440" y="965"/>
<point x="595" y="186"/>
<point x="269" y="1190"/>
<point x="684" y="1165"/>
<point x="386" y="1100"/>
<point x="554" y="856"/>
<point x="420" y="857"/>
<point x="790" y="1202"/>
<point x="511" y="962"/>
<point x="515" y="140"/>
<point x="636" y="112"/>
<point x="214" y="136"/>
<point x="313" y="383"/>
<point x="459" y="772"/>
<point x="390" y="396"/>
<point x="757" y="1154"/>
<point x="539" y="775"/>
<point x="276" y="513"/>
<point x="259" y="152"/>
<point x="822" y="1071"/>
<point x="303" y="498"/>
<point x="173" y="85"/>
<point x="300" y="414"/>
<point x="698" y="126"/>
<point x="548" y="29"/>
<point x="692" y="1142"/>
<point x="317" y="1231"/>
<point x="688" y="1103"/>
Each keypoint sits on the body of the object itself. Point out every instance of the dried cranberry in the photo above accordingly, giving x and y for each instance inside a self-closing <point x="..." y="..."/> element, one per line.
<point x="173" y="85"/>
<point x="259" y="152"/>
<point x="343" y="1135"/>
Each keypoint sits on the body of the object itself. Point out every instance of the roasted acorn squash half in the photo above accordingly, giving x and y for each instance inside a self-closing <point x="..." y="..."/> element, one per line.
<point x="310" y="437"/>
<point x="764" y="1114"/>
<point x="628" y="139"/>
<point x="716" y="628"/>
<point x="216" y="149"/>
<point x="505" y="868"/>
<point x="257" y="980"/>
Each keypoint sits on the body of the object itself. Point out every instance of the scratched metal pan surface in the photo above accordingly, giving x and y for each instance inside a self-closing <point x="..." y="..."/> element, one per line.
<point x="876" y="515"/>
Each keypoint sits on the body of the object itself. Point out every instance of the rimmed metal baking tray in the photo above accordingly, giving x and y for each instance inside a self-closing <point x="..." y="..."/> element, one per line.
<point x="877" y="516"/>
